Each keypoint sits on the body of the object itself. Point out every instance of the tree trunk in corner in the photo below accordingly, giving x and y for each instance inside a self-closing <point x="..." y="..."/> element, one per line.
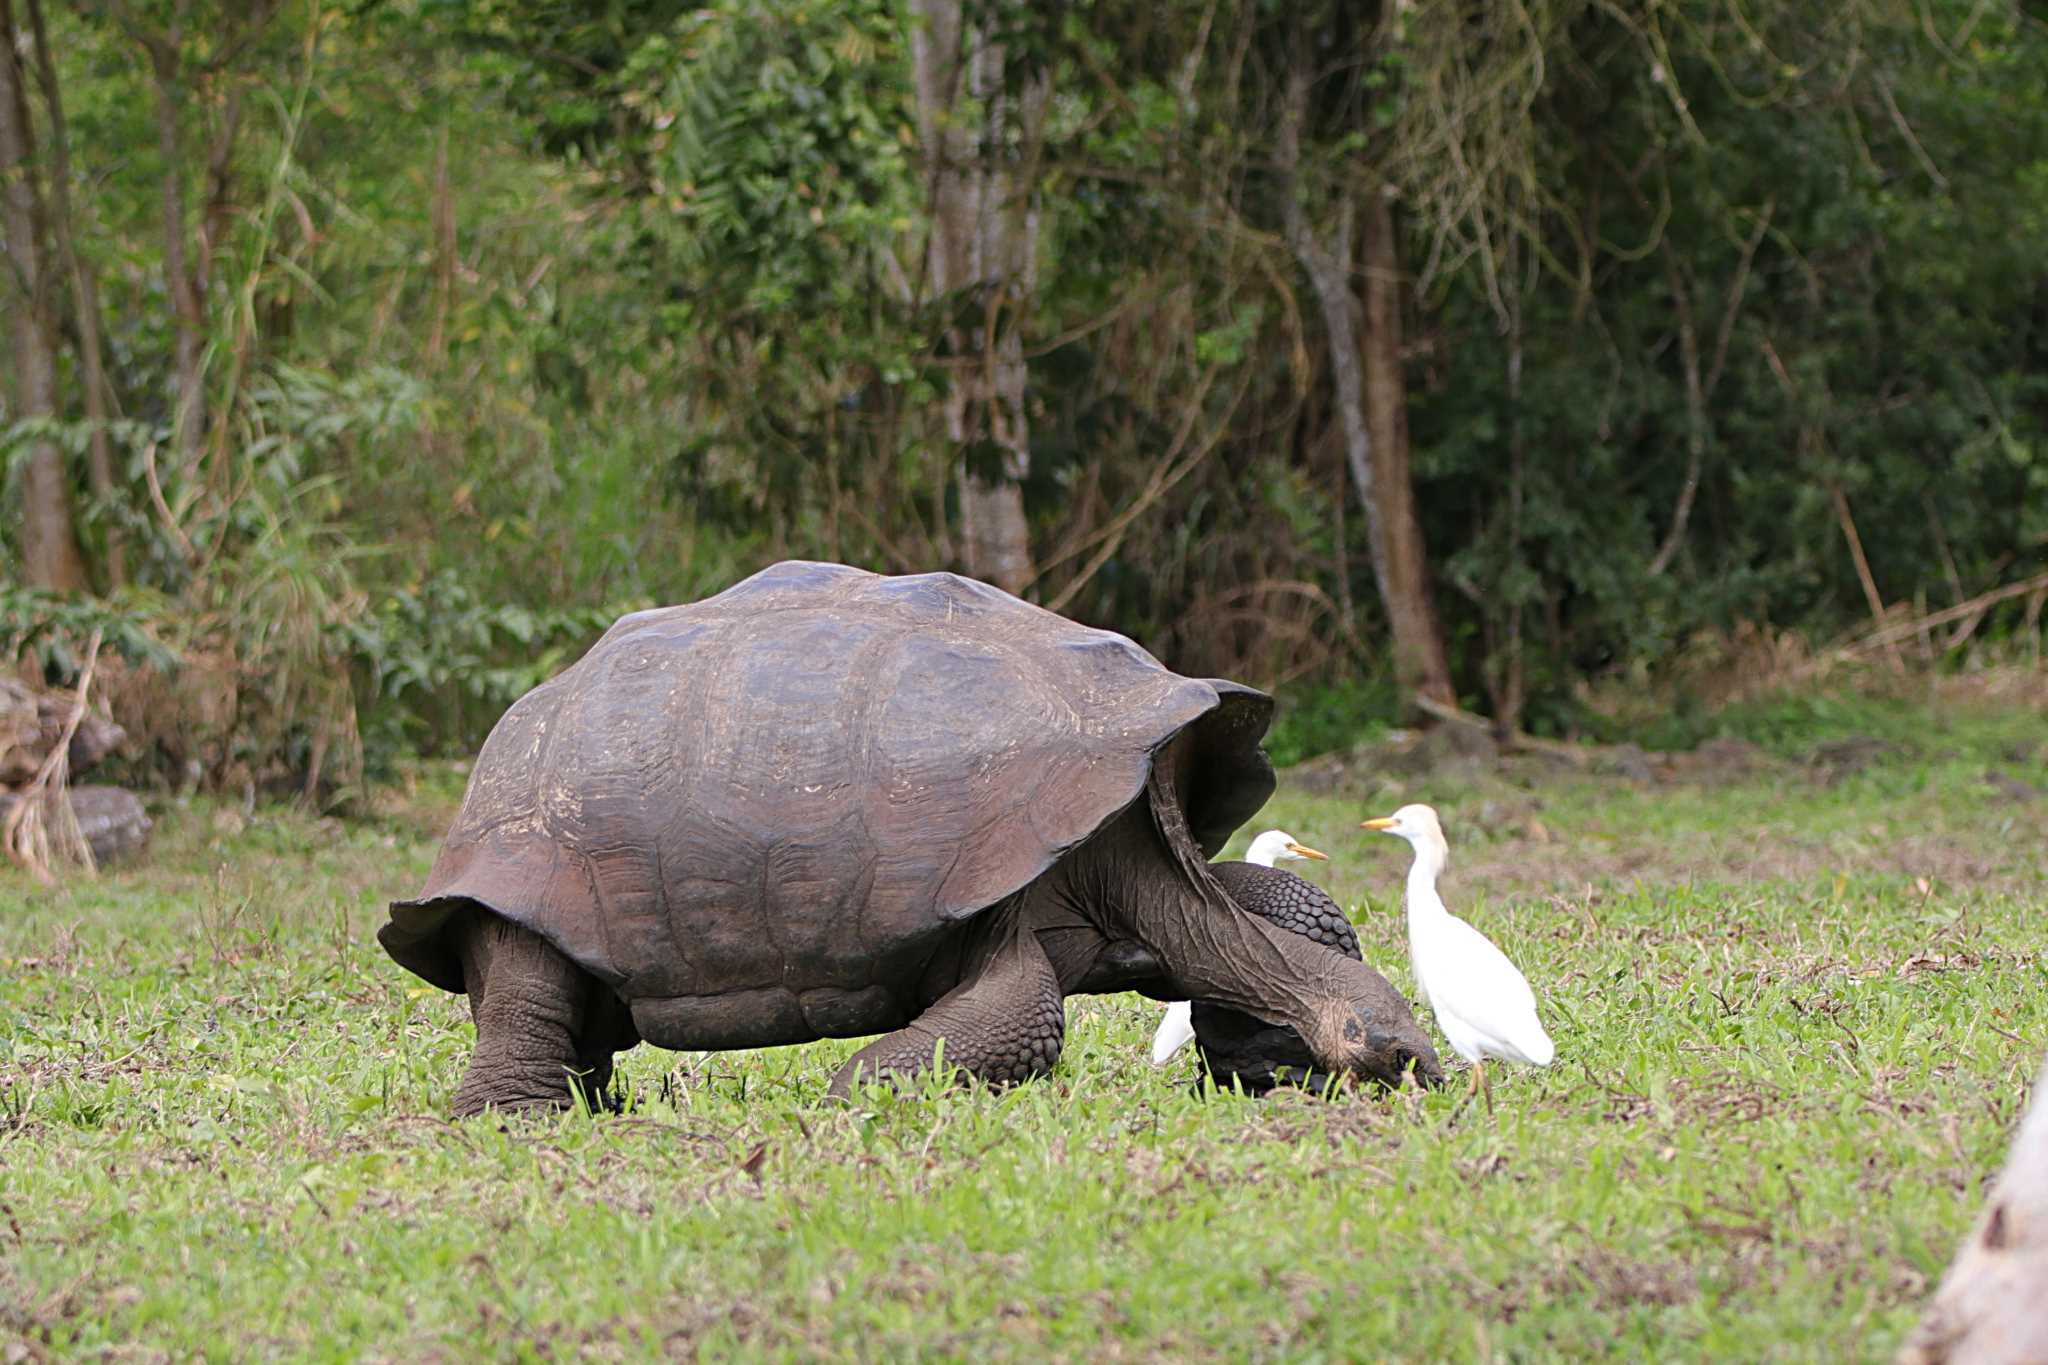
<point x="984" y="238"/>
<point x="1988" y="1309"/>
<point x="85" y="297"/>
<point x="1420" y="663"/>
<point x="49" y="538"/>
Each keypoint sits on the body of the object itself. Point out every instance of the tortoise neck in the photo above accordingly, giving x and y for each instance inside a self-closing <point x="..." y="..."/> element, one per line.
<point x="1142" y="879"/>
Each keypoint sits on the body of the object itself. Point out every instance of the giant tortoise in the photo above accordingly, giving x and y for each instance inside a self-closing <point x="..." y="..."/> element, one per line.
<point x="827" y="803"/>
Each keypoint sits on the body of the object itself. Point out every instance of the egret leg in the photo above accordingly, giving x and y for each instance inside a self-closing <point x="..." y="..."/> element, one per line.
<point x="1485" y="1083"/>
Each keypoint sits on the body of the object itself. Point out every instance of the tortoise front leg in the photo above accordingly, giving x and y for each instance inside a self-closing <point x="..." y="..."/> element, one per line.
<point x="1002" y="1025"/>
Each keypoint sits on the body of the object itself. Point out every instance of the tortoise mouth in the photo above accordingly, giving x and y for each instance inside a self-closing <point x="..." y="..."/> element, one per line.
<point x="1404" y="1064"/>
<point x="1240" y="1052"/>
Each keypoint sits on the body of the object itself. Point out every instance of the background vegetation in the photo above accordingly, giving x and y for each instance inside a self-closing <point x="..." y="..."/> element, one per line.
<point x="1589" y="364"/>
<point x="368" y="357"/>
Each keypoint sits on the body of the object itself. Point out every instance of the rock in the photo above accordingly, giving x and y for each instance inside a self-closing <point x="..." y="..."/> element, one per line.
<point x="111" y="819"/>
<point x="1731" y="757"/>
<point x="1840" y="758"/>
<point x="1625" y="760"/>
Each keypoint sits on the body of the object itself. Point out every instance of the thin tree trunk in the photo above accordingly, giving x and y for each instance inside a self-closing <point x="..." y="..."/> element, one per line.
<point x="49" y="540"/>
<point x="1419" y="657"/>
<point x="84" y="296"/>
<point x="1695" y="411"/>
<point x="984" y="234"/>
<point x="220" y="198"/>
<point x="444" y="252"/>
<point x="1372" y="403"/>
<point x="178" y="277"/>
<point x="1508" y="676"/>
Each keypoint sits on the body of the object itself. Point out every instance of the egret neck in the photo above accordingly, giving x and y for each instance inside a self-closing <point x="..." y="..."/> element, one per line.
<point x="1431" y="856"/>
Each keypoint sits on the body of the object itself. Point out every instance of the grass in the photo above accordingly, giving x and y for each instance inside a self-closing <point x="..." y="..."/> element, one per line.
<point x="1797" y="1010"/>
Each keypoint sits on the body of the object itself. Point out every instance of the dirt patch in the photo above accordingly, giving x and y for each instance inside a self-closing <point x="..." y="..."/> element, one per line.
<point x="38" y="1328"/>
<point x="1841" y="758"/>
<point x="1614" y="1281"/>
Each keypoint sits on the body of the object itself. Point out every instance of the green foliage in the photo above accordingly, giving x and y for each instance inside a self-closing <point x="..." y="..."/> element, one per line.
<point x="1321" y="720"/>
<point x="51" y="629"/>
<point x="524" y="312"/>
<point x="437" y="666"/>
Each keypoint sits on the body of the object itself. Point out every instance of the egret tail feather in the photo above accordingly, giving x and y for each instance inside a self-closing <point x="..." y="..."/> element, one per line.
<point x="1176" y="1030"/>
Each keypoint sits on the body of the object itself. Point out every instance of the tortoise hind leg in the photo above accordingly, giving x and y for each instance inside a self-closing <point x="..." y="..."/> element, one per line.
<point x="540" y="1020"/>
<point x="1004" y="1024"/>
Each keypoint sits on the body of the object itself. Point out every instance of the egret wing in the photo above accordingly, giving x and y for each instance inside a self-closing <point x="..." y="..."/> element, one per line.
<point x="1175" y="1031"/>
<point x="1474" y="980"/>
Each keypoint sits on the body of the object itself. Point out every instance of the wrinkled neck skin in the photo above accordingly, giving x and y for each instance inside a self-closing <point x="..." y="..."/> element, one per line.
<point x="1126" y="901"/>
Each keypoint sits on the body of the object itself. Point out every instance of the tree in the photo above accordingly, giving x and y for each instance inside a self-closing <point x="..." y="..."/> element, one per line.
<point x="49" y="541"/>
<point x="1362" y="327"/>
<point x="981" y="263"/>
<point x="84" y="293"/>
<point x="192" y="48"/>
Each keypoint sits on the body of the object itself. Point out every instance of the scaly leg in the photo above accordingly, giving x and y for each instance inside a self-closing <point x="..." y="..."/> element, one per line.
<point x="538" y="1023"/>
<point x="1003" y="1024"/>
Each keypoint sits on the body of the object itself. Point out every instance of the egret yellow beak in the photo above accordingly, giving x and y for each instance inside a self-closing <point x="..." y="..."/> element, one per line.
<point x="1384" y="822"/>
<point x="1304" y="851"/>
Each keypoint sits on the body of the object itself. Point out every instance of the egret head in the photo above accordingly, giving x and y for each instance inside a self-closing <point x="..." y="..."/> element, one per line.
<point x="1278" y="846"/>
<point x="1417" y="824"/>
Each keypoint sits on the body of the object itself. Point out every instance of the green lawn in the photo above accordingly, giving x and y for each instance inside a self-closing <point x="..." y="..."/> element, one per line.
<point x="1796" y="1011"/>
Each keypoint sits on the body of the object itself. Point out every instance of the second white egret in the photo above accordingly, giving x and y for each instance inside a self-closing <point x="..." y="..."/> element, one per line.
<point x="1482" y="1001"/>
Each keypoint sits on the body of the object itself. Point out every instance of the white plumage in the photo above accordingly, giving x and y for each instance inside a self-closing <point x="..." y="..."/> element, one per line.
<point x="1177" y="1029"/>
<point x="1482" y="1002"/>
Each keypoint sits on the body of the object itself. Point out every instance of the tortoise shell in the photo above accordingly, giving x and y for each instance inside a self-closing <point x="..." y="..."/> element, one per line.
<point x="803" y="782"/>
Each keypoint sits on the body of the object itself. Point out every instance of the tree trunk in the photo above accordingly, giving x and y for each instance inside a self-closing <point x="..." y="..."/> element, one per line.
<point x="1372" y="401"/>
<point x="984" y="238"/>
<point x="444" y="252"/>
<point x="1420" y="663"/>
<point x="178" y="277"/>
<point x="49" y="538"/>
<point x="1988" y="1310"/>
<point x="85" y="297"/>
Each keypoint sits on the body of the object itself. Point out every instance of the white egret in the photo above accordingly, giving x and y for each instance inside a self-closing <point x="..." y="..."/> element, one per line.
<point x="1482" y="1001"/>
<point x="1178" y="1027"/>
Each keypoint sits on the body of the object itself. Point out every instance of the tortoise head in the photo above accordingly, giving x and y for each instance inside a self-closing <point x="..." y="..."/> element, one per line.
<point x="1372" y="1035"/>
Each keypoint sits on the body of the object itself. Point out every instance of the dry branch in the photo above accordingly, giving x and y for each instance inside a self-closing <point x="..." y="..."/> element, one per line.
<point x="1864" y="575"/>
<point x="44" y="806"/>
<point x="1890" y="635"/>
